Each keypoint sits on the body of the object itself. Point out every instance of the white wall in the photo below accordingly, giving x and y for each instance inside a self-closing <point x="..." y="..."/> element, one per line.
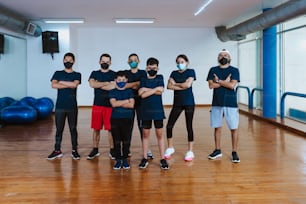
<point x="41" y="66"/>
<point x="13" y="66"/>
<point x="88" y="43"/>
<point x="199" y="44"/>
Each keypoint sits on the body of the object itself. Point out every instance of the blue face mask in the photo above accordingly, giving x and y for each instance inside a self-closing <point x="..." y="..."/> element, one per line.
<point x="121" y="84"/>
<point x="133" y="64"/>
<point x="181" y="66"/>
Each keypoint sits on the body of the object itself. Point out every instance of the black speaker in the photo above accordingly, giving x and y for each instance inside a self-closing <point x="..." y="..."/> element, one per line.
<point x="50" y="42"/>
<point x="1" y="43"/>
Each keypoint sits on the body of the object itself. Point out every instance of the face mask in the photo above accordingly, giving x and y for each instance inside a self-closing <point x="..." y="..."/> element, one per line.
<point x="152" y="72"/>
<point x="181" y="66"/>
<point x="104" y="66"/>
<point x="133" y="64"/>
<point x="223" y="61"/>
<point x="121" y="84"/>
<point x="68" y="65"/>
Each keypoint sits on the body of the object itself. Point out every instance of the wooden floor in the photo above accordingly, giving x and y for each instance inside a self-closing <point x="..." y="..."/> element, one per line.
<point x="272" y="168"/>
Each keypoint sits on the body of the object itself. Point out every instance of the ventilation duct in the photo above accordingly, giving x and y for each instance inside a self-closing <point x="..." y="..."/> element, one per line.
<point x="18" y="24"/>
<point x="284" y="12"/>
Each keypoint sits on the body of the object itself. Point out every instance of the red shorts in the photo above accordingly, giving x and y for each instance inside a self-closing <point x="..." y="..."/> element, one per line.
<point x="100" y="117"/>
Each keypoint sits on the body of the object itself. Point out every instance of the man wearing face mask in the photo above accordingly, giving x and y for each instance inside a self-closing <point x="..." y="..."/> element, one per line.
<point x="66" y="83"/>
<point x="223" y="79"/>
<point x="102" y="81"/>
<point x="134" y="74"/>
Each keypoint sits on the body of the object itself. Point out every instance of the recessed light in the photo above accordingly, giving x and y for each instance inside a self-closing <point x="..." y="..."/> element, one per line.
<point x="207" y="2"/>
<point x="72" y="20"/>
<point x="134" y="20"/>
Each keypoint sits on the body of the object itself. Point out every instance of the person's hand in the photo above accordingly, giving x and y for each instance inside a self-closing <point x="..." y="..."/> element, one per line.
<point x="228" y="78"/>
<point x="216" y="78"/>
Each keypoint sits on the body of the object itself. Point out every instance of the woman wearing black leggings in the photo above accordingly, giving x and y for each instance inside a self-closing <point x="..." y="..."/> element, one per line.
<point x="180" y="82"/>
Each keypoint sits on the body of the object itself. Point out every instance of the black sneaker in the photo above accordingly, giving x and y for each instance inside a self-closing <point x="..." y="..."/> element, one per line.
<point x="111" y="154"/>
<point x="143" y="164"/>
<point x="150" y="155"/>
<point x="235" y="158"/>
<point x="117" y="164"/>
<point x="55" y="154"/>
<point x="75" y="155"/>
<point x="163" y="164"/>
<point x="94" y="153"/>
<point x="125" y="164"/>
<point x="216" y="154"/>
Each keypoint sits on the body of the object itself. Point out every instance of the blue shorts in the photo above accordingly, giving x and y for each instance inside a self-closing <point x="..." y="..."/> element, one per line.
<point x="231" y="116"/>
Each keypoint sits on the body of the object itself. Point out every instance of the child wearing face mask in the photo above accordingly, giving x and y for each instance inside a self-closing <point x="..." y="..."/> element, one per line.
<point x="66" y="82"/>
<point x="122" y="101"/>
<point x="180" y="82"/>
<point x="152" y="110"/>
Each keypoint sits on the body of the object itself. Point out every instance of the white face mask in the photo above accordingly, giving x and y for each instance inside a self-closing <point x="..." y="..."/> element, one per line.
<point x="181" y="66"/>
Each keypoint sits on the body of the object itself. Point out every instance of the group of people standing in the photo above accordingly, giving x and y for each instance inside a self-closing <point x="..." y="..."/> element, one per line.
<point x="120" y="97"/>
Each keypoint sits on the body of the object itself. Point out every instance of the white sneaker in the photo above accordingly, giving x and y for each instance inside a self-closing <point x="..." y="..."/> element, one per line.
<point x="169" y="151"/>
<point x="189" y="156"/>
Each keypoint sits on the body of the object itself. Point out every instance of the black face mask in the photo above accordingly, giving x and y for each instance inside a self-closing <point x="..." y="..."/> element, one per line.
<point x="223" y="61"/>
<point x="152" y="72"/>
<point x="68" y="65"/>
<point x="104" y="66"/>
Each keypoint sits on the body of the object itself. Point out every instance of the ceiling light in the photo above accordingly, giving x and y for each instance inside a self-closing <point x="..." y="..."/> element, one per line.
<point x="134" y="20"/>
<point x="207" y="2"/>
<point x="63" y="20"/>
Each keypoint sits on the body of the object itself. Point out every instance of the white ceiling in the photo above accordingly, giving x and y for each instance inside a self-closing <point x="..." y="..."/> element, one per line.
<point x="168" y="13"/>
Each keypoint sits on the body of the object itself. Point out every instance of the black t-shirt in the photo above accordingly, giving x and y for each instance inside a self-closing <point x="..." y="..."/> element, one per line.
<point x="66" y="98"/>
<point x="102" y="96"/>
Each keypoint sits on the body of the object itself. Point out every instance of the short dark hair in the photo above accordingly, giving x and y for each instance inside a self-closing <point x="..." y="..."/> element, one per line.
<point x="152" y="61"/>
<point x="106" y="55"/>
<point x="182" y="56"/>
<point x="133" y="54"/>
<point x="69" y="54"/>
<point x="120" y="74"/>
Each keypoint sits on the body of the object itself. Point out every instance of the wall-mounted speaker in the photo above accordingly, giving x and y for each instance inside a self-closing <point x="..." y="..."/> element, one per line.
<point x="1" y="43"/>
<point x="50" y="42"/>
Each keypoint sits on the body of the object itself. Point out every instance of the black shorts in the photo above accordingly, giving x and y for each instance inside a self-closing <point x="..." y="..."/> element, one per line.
<point x="147" y="124"/>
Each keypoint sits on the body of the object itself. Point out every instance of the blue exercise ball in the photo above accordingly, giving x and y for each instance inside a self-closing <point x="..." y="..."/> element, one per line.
<point x="28" y="100"/>
<point x="18" y="114"/>
<point x="44" y="107"/>
<point x="6" y="101"/>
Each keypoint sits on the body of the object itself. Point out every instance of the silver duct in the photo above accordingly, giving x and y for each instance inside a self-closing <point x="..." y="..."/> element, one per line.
<point x="18" y="24"/>
<point x="284" y="12"/>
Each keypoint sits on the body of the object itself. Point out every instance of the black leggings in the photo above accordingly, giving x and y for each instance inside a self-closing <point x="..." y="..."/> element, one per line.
<point x="60" y="117"/>
<point x="174" y="114"/>
<point x="121" y="136"/>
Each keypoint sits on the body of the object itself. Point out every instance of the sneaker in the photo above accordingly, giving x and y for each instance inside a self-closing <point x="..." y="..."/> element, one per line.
<point x="111" y="154"/>
<point x="117" y="165"/>
<point x="150" y="155"/>
<point x="235" y="158"/>
<point x="169" y="151"/>
<point x="163" y="164"/>
<point x="143" y="164"/>
<point x="189" y="156"/>
<point x="216" y="153"/>
<point x="125" y="164"/>
<point x="94" y="153"/>
<point x="75" y="155"/>
<point x="55" y="154"/>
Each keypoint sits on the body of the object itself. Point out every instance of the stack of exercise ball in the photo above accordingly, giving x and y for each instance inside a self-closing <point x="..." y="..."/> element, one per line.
<point x="26" y="110"/>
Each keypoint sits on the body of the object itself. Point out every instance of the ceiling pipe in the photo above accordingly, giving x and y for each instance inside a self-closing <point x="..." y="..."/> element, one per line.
<point x="281" y="13"/>
<point x="17" y="23"/>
